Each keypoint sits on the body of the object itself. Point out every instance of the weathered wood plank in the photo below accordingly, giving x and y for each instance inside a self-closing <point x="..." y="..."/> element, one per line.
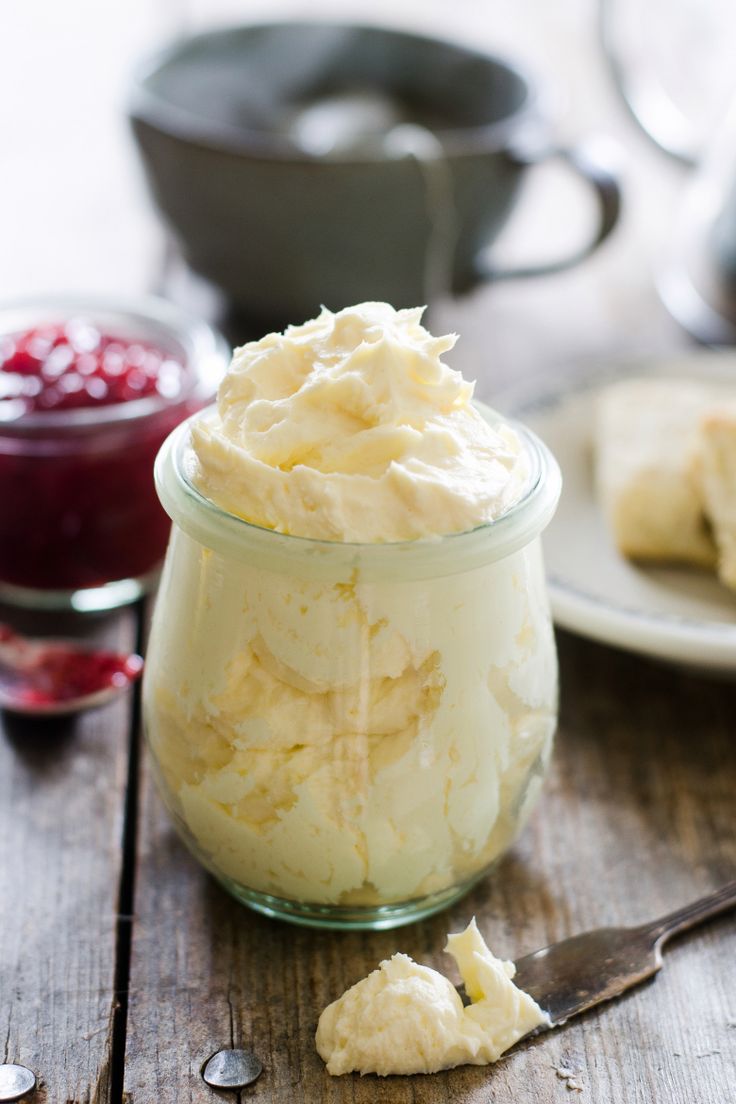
<point x="62" y="799"/>
<point x="638" y="817"/>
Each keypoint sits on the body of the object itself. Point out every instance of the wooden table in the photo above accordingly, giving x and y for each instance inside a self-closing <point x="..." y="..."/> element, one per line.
<point x="123" y="967"/>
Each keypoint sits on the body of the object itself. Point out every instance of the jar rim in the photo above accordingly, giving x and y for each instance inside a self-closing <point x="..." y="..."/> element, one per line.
<point x="205" y="351"/>
<point x="450" y="553"/>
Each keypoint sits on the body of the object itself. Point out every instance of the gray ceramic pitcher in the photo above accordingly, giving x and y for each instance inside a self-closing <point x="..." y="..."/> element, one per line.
<point x="283" y="225"/>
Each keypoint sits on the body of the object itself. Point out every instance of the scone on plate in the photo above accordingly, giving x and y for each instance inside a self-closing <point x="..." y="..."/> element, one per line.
<point x="716" y="468"/>
<point x="647" y="469"/>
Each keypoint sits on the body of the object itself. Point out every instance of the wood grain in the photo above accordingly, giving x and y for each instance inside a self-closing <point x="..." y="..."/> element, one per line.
<point x="62" y="800"/>
<point x="637" y="817"/>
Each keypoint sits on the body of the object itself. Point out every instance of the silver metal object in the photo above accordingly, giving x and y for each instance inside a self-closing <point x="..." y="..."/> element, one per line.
<point x="696" y="277"/>
<point x="15" y="1081"/>
<point x="578" y="973"/>
<point x="232" y="1069"/>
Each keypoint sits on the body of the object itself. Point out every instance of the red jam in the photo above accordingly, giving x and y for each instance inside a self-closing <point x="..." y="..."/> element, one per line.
<point x="79" y="507"/>
<point x="73" y="365"/>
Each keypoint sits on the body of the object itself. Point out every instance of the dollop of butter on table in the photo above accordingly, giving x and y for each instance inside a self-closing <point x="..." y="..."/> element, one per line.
<point x="407" y="1018"/>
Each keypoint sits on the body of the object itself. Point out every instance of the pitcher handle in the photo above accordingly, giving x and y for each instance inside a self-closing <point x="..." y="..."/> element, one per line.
<point x="587" y="163"/>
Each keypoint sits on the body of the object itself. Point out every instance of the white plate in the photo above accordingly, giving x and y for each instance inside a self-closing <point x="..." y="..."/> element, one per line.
<point x="676" y="614"/>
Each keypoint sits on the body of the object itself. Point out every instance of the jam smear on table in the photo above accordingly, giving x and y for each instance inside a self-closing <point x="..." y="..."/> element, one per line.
<point x="54" y="673"/>
<point x="79" y="507"/>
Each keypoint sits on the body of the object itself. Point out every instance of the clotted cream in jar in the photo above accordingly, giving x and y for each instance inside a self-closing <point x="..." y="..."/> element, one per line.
<point x="351" y="685"/>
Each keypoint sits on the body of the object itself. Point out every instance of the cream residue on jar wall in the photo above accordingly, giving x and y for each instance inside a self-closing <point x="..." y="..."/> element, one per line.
<point x="331" y="736"/>
<point x="350" y="743"/>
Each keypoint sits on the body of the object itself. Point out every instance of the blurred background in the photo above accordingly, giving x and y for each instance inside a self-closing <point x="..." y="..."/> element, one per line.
<point x="75" y="214"/>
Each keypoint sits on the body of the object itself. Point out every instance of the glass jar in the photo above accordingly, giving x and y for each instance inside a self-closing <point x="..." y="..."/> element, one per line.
<point x="350" y="735"/>
<point x="81" y="526"/>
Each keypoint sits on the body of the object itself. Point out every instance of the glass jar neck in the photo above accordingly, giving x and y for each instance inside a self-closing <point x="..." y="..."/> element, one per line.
<point x="237" y="539"/>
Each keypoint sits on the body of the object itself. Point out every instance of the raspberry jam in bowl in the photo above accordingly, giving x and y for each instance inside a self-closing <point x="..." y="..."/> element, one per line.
<point x="89" y="390"/>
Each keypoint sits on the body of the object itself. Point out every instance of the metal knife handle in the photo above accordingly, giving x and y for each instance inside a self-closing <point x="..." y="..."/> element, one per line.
<point x="687" y="917"/>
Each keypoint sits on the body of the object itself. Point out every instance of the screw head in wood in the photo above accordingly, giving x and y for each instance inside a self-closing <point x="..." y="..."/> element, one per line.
<point x="15" y="1081"/>
<point x="232" y="1069"/>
